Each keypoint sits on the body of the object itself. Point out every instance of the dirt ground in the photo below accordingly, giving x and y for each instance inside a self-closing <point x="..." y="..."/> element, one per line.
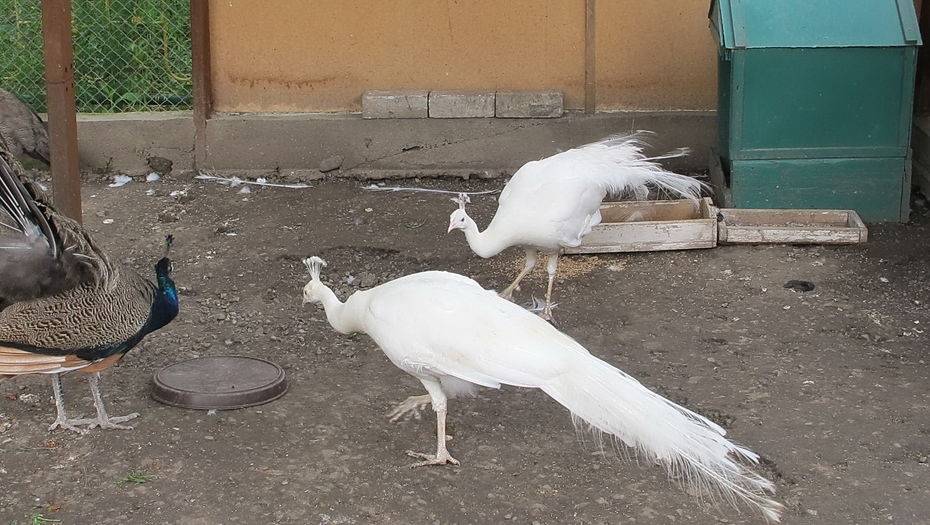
<point x="831" y="386"/>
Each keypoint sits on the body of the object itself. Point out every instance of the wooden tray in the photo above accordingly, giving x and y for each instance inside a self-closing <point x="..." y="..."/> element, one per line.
<point x="646" y="226"/>
<point x="750" y="226"/>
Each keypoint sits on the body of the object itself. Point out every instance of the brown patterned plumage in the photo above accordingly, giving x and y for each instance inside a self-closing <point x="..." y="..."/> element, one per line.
<point x="84" y="317"/>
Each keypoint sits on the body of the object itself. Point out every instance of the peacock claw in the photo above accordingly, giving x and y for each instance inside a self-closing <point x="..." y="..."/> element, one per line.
<point x="409" y="408"/>
<point x="430" y="459"/>
<point x="67" y="424"/>
<point x="109" y="423"/>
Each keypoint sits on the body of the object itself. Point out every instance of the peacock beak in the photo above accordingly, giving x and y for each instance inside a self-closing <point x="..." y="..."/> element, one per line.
<point x="451" y="227"/>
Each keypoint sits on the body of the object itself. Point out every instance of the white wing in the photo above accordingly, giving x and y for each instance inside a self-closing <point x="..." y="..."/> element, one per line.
<point x="439" y="323"/>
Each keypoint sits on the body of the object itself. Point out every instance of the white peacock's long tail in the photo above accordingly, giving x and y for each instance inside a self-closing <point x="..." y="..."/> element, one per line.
<point x="619" y="165"/>
<point x="693" y="448"/>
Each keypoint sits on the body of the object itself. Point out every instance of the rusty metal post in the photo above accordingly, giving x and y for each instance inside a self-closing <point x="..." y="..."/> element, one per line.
<point x="62" y="115"/>
<point x="200" y="64"/>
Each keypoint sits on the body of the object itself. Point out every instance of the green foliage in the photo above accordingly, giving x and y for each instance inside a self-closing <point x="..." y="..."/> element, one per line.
<point x="136" y="477"/>
<point x="38" y="519"/>
<point x="129" y="55"/>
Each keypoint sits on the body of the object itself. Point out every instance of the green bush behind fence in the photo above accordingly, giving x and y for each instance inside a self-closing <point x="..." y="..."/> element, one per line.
<point x="129" y="55"/>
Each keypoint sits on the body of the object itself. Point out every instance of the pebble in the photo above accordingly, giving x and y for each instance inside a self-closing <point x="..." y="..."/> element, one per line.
<point x="168" y="216"/>
<point x="331" y="163"/>
<point x="367" y="280"/>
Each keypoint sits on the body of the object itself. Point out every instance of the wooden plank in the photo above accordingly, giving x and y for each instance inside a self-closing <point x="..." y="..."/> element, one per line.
<point x="748" y="226"/>
<point x="590" y="57"/>
<point x="626" y="211"/>
<point x="763" y="217"/>
<point x="649" y="236"/>
<point x="790" y="235"/>
<point x="62" y="114"/>
<point x="642" y="247"/>
<point x="856" y="222"/>
<point x="201" y="72"/>
<point x="691" y="227"/>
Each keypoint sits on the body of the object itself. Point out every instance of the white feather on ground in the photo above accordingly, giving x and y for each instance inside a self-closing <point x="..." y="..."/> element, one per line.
<point x="454" y="336"/>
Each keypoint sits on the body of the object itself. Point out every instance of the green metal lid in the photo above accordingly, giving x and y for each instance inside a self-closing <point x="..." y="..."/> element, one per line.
<point x="740" y="24"/>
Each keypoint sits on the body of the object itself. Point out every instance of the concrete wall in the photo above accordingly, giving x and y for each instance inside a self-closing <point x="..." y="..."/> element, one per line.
<point x="320" y="55"/>
<point x="294" y="145"/>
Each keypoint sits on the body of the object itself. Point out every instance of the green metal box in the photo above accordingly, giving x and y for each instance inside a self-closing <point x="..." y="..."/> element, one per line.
<point x="814" y="103"/>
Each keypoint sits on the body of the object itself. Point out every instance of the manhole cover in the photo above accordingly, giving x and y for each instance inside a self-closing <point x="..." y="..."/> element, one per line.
<point x="221" y="383"/>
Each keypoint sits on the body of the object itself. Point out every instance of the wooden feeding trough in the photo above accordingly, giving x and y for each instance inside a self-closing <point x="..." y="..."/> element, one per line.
<point x="646" y="226"/>
<point x="752" y="226"/>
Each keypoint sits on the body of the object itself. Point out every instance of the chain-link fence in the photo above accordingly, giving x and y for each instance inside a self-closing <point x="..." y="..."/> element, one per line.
<point x="129" y="55"/>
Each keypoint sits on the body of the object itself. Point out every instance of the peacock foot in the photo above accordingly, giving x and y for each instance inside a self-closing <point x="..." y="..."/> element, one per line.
<point x="409" y="408"/>
<point x="506" y="293"/>
<point x="107" y="422"/>
<point x="68" y="424"/>
<point x="443" y="458"/>
<point x="547" y="314"/>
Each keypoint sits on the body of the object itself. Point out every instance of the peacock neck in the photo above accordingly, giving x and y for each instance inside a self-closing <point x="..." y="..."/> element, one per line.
<point x="484" y="243"/>
<point x="341" y="316"/>
<point x="165" y="306"/>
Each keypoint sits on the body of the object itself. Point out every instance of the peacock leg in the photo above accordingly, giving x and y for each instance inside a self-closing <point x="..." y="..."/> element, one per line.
<point x="551" y="267"/>
<point x="103" y="420"/>
<point x="409" y="408"/>
<point x="442" y="456"/>
<point x="527" y="268"/>
<point x="61" y="420"/>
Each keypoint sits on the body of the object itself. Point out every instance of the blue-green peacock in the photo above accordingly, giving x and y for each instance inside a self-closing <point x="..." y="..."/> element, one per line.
<point x="63" y="305"/>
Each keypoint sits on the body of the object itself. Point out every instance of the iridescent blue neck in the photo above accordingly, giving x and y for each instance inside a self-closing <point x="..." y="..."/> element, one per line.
<point x="166" y="304"/>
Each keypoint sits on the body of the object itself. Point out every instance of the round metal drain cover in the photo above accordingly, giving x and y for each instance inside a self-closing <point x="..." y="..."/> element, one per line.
<point x="221" y="383"/>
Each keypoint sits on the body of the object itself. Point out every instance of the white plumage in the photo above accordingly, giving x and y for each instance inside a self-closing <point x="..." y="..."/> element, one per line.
<point x="454" y="336"/>
<point x="551" y="204"/>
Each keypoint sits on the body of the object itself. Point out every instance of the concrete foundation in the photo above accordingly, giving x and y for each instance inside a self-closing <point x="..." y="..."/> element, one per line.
<point x="296" y="144"/>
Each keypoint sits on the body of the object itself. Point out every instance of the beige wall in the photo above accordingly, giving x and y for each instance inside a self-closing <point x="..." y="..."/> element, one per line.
<point x="320" y="55"/>
<point x="655" y="54"/>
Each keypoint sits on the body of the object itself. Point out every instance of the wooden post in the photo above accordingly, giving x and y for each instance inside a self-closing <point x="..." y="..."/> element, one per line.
<point x="590" y="57"/>
<point x="62" y="115"/>
<point x="203" y="91"/>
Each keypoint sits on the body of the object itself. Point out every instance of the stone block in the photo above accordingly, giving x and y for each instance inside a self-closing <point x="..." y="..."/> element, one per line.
<point x="461" y="104"/>
<point x="395" y="104"/>
<point x="528" y="104"/>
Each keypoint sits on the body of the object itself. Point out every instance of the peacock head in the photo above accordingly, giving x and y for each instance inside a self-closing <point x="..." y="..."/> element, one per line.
<point x="459" y="219"/>
<point x="314" y="290"/>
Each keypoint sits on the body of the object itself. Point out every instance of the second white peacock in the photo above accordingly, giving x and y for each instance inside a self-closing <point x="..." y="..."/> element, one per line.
<point x="551" y="204"/>
<point x="454" y="336"/>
